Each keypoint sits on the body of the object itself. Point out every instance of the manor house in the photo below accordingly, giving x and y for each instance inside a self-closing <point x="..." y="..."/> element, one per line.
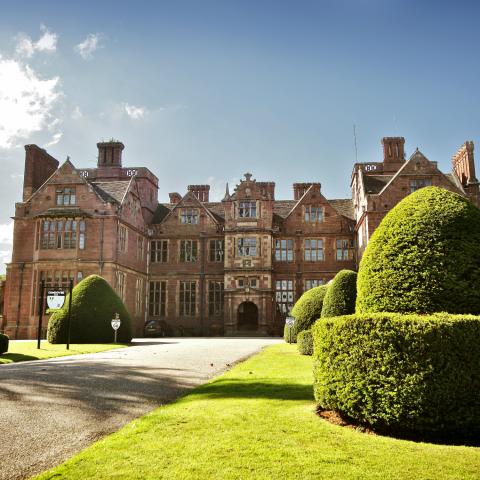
<point x="233" y="267"/>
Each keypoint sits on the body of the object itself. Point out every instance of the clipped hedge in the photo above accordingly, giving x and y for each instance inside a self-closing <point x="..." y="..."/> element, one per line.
<point x="424" y="257"/>
<point x="401" y="373"/>
<point x="305" y="342"/>
<point x="341" y="295"/>
<point x="288" y="334"/>
<point x="94" y="304"/>
<point x="4" y="340"/>
<point x="308" y="308"/>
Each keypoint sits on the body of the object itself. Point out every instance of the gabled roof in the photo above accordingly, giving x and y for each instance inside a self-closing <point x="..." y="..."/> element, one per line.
<point x="282" y="208"/>
<point x="163" y="209"/>
<point x="172" y="207"/>
<point x="343" y="206"/>
<point x="113" y="191"/>
<point x="375" y="183"/>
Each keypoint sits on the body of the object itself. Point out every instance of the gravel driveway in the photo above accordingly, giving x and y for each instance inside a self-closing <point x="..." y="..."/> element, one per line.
<point x="51" y="409"/>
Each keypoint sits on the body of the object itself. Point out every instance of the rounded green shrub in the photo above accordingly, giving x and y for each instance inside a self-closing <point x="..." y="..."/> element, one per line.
<point x="3" y="343"/>
<point x="94" y="304"/>
<point x="305" y="342"/>
<point x="288" y="334"/>
<point x="424" y="257"/>
<point x="401" y="373"/>
<point x="341" y="295"/>
<point x="308" y="308"/>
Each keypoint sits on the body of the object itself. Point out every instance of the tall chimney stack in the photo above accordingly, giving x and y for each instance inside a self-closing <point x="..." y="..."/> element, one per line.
<point x="110" y="153"/>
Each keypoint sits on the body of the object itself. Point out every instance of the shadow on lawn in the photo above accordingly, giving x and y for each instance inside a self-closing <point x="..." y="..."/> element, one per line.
<point x="244" y="388"/>
<point x="16" y="357"/>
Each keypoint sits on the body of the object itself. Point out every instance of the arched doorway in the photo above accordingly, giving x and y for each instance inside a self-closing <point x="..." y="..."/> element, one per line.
<point x="247" y="316"/>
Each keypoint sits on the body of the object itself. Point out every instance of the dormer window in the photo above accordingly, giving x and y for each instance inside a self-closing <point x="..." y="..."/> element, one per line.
<point x="247" y="209"/>
<point x="66" y="196"/>
<point x="313" y="214"/>
<point x="189" y="216"/>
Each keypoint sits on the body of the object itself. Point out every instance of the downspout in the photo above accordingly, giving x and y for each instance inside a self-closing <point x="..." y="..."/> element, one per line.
<point x="147" y="281"/>
<point x="101" y="245"/>
<point x="202" y="284"/>
<point x="17" y="325"/>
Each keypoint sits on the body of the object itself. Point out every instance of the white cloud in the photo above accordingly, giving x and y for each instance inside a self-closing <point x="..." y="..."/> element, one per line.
<point x="26" y="47"/>
<point x="77" y="113"/>
<point x="91" y="43"/>
<point x="55" y="139"/>
<point x="6" y="233"/>
<point x="26" y="102"/>
<point x="135" y="112"/>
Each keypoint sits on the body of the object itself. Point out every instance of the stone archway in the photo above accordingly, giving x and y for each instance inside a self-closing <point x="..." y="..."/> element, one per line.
<point x="247" y="317"/>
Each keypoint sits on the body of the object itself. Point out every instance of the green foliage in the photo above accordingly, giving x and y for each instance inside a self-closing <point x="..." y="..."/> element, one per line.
<point x="94" y="304"/>
<point x="307" y="309"/>
<point x="404" y="373"/>
<point x="424" y="257"/>
<point x="341" y="295"/>
<point x="305" y="342"/>
<point x="288" y="335"/>
<point x="3" y="343"/>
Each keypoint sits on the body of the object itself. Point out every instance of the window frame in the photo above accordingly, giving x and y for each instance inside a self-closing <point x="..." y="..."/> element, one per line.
<point x="188" y="251"/>
<point x="246" y="247"/>
<point x="189" y="216"/>
<point x="284" y="250"/>
<point x="157" y="298"/>
<point x="247" y="209"/>
<point x="187" y="298"/>
<point x="310" y="217"/>
<point x="159" y="255"/>
<point x="313" y="253"/>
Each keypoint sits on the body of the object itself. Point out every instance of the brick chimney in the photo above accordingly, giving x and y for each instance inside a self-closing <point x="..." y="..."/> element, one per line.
<point x="464" y="164"/>
<point x="200" y="191"/>
<point x="39" y="166"/>
<point x="267" y="189"/>
<point x="299" y="189"/>
<point x="110" y="154"/>
<point x="174" y="197"/>
<point x="393" y="149"/>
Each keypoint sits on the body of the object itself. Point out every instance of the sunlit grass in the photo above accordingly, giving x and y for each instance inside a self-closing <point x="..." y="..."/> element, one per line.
<point x="19" y="351"/>
<point x="258" y="421"/>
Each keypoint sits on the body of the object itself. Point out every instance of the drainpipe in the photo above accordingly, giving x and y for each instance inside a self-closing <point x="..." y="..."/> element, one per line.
<point x="202" y="283"/>
<point x="17" y="325"/>
<point x="102" y="227"/>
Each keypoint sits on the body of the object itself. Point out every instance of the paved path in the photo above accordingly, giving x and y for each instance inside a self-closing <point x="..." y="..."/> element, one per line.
<point x="51" y="409"/>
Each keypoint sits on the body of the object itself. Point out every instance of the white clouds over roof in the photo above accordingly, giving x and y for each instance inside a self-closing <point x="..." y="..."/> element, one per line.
<point x="91" y="43"/>
<point x="26" y="47"/>
<point x="26" y="102"/>
<point x="135" y="112"/>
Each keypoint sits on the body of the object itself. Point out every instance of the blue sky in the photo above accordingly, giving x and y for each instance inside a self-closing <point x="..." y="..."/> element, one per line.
<point x="202" y="91"/>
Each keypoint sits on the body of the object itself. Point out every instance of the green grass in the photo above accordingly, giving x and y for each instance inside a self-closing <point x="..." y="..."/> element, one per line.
<point x="23" y="351"/>
<point x="258" y="422"/>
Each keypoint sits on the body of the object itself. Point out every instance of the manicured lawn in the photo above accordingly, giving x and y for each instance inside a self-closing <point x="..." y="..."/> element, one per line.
<point x="258" y="422"/>
<point x="21" y="351"/>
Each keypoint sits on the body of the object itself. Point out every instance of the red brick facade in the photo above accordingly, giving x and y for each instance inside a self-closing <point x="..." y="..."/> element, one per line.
<point x="232" y="267"/>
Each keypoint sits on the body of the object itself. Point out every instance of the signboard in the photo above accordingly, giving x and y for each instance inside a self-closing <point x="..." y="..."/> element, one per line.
<point x="290" y="321"/>
<point x="55" y="299"/>
<point x="116" y="322"/>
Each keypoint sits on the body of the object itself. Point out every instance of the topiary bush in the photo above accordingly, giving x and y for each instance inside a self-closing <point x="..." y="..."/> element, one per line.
<point x="288" y="334"/>
<point x="307" y="309"/>
<point x="424" y="257"/>
<point x="305" y="342"/>
<point x="94" y="304"/>
<point x="401" y="373"/>
<point x="341" y="295"/>
<point x="4" y="340"/>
